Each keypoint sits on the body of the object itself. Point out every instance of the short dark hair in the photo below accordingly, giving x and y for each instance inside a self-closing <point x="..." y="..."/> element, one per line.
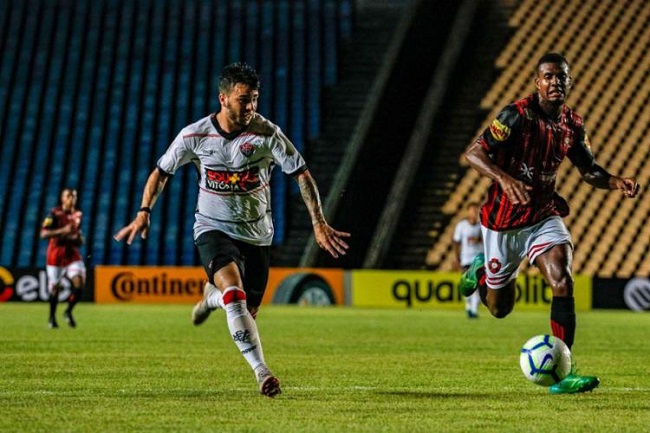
<point x="236" y="73"/>
<point x="472" y="204"/>
<point x="551" y="58"/>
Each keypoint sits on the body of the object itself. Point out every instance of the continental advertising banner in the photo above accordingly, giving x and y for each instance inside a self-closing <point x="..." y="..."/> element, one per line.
<point x="439" y="290"/>
<point x="149" y="284"/>
<point x="184" y="285"/>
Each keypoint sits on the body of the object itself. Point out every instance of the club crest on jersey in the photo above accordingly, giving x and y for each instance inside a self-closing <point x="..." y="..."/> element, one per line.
<point x="225" y="181"/>
<point x="494" y="265"/>
<point x="499" y="131"/>
<point x="247" y="149"/>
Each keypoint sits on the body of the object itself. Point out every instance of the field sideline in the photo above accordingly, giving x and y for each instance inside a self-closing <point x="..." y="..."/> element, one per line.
<point x="145" y="368"/>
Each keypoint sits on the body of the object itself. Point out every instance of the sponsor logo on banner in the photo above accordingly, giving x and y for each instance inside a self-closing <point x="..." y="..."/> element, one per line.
<point x="637" y="294"/>
<point x="149" y="284"/>
<point x="28" y="285"/>
<point x="423" y="289"/>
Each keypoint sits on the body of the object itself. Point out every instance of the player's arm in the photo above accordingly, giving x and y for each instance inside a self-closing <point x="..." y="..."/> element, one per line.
<point x="499" y="133"/>
<point x="581" y="156"/>
<point x="326" y="237"/>
<point x="47" y="233"/>
<point x="140" y="224"/>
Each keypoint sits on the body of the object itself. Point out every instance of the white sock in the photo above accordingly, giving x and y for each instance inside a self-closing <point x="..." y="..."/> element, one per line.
<point x="474" y="300"/>
<point x="215" y="299"/>
<point x="243" y="329"/>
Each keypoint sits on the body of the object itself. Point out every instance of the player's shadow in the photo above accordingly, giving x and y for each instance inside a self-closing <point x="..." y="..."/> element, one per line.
<point x="440" y="395"/>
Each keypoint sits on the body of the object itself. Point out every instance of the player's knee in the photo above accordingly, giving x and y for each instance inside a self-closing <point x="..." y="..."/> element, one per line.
<point x="563" y="286"/>
<point x="500" y="311"/>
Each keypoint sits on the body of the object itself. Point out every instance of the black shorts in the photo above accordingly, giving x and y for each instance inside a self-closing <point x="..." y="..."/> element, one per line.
<point x="216" y="250"/>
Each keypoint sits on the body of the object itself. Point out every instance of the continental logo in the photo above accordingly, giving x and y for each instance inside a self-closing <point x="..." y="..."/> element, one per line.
<point x="125" y="286"/>
<point x="499" y="131"/>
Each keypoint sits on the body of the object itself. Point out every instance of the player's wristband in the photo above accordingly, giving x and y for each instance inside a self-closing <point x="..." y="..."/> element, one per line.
<point x="146" y="209"/>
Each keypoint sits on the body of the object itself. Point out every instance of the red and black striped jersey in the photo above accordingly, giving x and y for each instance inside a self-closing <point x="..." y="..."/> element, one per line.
<point x="528" y="145"/>
<point x="61" y="251"/>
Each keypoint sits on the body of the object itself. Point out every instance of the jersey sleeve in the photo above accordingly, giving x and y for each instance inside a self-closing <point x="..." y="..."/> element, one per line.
<point x="286" y="155"/>
<point x="179" y="153"/>
<point x="49" y="222"/>
<point x="501" y="128"/>
<point x="580" y="152"/>
<point x="457" y="233"/>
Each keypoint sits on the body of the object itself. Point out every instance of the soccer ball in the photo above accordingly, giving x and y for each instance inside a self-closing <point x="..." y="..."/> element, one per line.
<point x="545" y="360"/>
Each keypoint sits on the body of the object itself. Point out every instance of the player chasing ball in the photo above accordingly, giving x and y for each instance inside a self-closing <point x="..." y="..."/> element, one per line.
<point x="234" y="151"/>
<point x="521" y="151"/>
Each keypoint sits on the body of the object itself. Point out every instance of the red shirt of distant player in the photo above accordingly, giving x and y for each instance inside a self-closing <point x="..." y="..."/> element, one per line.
<point x="525" y="143"/>
<point x="63" y="250"/>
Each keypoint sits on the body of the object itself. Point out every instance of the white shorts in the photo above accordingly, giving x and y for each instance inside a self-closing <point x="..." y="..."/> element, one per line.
<point x="55" y="274"/>
<point x="504" y="251"/>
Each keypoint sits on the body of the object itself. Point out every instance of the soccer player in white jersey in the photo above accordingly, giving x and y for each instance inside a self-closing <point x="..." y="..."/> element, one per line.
<point x="468" y="242"/>
<point x="234" y="151"/>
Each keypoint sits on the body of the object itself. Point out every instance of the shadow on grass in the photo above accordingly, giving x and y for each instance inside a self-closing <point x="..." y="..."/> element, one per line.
<point x="440" y="395"/>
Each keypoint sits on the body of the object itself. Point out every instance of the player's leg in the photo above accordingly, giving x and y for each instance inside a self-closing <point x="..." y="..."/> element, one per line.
<point x="551" y="251"/>
<point x="54" y="277"/>
<point x="471" y="305"/>
<point x="76" y="272"/>
<point x="243" y="328"/>
<point x="555" y="267"/>
<point x="497" y="277"/>
<point x="223" y="261"/>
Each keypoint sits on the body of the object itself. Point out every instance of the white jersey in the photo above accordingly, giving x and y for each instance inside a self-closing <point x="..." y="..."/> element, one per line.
<point x="234" y="175"/>
<point x="469" y="237"/>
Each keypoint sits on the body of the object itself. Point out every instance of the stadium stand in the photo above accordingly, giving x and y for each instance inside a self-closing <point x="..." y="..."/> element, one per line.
<point x="94" y="90"/>
<point x="607" y="43"/>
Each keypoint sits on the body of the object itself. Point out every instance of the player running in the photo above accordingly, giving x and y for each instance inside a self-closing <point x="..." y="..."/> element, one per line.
<point x="62" y="228"/>
<point x="234" y="151"/>
<point x="521" y="151"/>
<point x="468" y="242"/>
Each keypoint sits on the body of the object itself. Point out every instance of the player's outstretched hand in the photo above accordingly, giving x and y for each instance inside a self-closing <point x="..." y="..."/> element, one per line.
<point x="139" y="225"/>
<point x="331" y="240"/>
<point x="626" y="184"/>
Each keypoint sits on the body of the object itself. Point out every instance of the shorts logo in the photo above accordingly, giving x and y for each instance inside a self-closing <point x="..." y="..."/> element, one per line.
<point x="232" y="181"/>
<point x="499" y="131"/>
<point x="247" y="149"/>
<point x="494" y="265"/>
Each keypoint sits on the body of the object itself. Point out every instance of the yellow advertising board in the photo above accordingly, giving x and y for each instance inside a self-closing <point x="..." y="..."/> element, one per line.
<point x="439" y="290"/>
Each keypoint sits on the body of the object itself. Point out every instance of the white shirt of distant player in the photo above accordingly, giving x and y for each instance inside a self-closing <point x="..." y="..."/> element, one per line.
<point x="469" y="237"/>
<point x="234" y="175"/>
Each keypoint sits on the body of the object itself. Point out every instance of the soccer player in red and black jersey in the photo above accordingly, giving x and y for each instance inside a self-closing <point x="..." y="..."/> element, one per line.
<point x="62" y="228"/>
<point x="521" y="151"/>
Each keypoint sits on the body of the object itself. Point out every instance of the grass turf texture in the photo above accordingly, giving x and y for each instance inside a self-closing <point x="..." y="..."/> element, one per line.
<point x="146" y="368"/>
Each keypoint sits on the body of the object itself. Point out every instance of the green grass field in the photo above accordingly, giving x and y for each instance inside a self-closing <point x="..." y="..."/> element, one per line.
<point x="145" y="368"/>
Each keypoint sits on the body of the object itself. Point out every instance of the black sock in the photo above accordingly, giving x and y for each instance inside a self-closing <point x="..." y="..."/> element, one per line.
<point x="563" y="319"/>
<point x="482" y="285"/>
<point x="54" y="300"/>
<point x="73" y="299"/>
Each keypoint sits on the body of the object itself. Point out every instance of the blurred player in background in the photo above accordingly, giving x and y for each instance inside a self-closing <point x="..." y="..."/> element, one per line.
<point x="521" y="151"/>
<point x="468" y="242"/>
<point x="234" y="151"/>
<point x="62" y="228"/>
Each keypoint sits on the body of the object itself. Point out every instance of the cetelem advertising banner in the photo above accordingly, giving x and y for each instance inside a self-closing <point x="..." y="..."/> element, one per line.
<point x="439" y="290"/>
